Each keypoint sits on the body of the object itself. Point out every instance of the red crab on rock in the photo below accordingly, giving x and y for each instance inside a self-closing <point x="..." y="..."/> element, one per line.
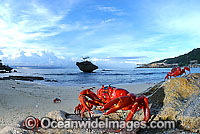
<point x="176" y="71"/>
<point x="112" y="98"/>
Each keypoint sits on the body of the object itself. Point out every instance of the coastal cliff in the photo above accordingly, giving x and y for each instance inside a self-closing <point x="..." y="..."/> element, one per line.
<point x="191" y="59"/>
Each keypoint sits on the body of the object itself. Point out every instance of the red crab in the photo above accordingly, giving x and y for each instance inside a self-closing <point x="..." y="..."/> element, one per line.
<point x="113" y="98"/>
<point x="57" y="100"/>
<point x="176" y="72"/>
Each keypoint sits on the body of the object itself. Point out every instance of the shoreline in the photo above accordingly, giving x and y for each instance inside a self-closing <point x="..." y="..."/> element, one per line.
<point x="20" y="99"/>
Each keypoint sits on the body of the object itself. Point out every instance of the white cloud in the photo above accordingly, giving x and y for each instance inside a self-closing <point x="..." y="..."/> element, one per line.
<point x="1" y="53"/>
<point x="176" y="17"/>
<point x="108" y="20"/>
<point x="33" y="23"/>
<point x="45" y="58"/>
<point x="23" y="27"/>
<point x="34" y="27"/>
<point x="111" y="9"/>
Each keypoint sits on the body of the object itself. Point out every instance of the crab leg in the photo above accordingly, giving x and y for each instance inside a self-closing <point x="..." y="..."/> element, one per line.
<point x="132" y="112"/>
<point x="186" y="68"/>
<point x="167" y="77"/>
<point x="130" y="115"/>
<point x="82" y="111"/>
<point x="84" y="101"/>
<point x="146" y="109"/>
<point x="137" y="106"/>
<point x="78" y="108"/>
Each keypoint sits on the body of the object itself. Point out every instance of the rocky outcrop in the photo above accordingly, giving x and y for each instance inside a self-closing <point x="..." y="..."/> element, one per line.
<point x="57" y="115"/>
<point x="86" y="66"/>
<point x="5" y="68"/>
<point x="177" y="99"/>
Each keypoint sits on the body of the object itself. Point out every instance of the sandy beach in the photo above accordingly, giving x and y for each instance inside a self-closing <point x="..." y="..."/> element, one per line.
<point x="21" y="99"/>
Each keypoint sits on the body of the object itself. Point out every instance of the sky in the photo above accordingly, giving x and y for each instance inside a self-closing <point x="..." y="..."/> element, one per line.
<point x="113" y="33"/>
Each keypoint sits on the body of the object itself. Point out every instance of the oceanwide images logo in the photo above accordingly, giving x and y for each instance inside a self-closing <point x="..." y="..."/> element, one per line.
<point x="32" y="123"/>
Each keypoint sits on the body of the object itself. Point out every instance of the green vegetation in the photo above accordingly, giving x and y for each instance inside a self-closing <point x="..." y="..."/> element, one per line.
<point x="183" y="60"/>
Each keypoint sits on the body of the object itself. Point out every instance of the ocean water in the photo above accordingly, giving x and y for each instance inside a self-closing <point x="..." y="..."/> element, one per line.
<point x="74" y="77"/>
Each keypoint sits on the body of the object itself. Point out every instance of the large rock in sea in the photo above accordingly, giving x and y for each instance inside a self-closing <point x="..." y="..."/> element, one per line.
<point x="86" y="66"/>
<point x="176" y="99"/>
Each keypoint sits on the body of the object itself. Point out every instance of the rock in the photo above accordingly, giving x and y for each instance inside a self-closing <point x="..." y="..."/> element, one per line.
<point x="54" y="81"/>
<point x="57" y="115"/>
<point x="86" y="66"/>
<point x="25" y="78"/>
<point x="48" y="80"/>
<point x="3" y="72"/>
<point x="176" y="99"/>
<point x="5" y="68"/>
<point x="14" y="129"/>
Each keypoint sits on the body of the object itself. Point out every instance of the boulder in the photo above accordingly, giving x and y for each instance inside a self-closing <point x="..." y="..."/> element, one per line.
<point x="86" y="66"/>
<point x="176" y="99"/>
<point x="14" y="129"/>
<point x="57" y="115"/>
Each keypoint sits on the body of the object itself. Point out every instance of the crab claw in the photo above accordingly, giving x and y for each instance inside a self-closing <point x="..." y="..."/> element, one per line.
<point x="120" y="102"/>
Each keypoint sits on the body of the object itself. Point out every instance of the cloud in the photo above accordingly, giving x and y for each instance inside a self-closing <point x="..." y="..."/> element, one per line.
<point x="31" y="22"/>
<point x="111" y="9"/>
<point x="172" y="19"/>
<point x="119" y="62"/>
<point x="1" y="53"/>
<point x="108" y="20"/>
<point x="69" y="28"/>
<point x="42" y="58"/>
<point x="128" y="58"/>
<point x="29" y="25"/>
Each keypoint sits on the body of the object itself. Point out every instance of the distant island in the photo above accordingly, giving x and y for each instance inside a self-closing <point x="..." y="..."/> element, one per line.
<point x="191" y="59"/>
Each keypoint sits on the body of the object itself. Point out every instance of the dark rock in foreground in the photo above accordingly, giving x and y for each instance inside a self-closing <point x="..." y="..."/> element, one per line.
<point x="86" y="66"/>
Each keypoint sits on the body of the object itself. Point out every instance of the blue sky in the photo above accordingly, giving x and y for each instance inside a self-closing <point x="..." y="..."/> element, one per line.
<point x="118" y="33"/>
